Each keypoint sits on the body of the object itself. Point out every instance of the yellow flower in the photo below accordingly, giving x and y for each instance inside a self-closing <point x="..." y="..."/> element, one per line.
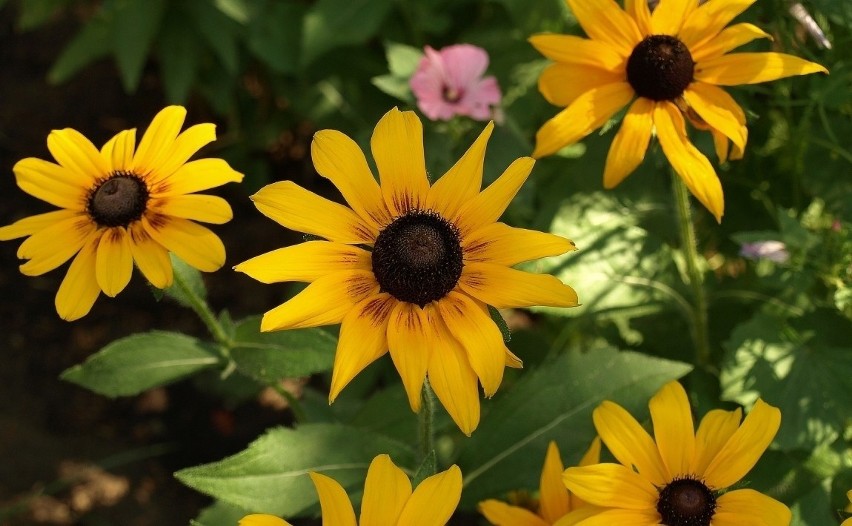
<point x="121" y="205"/>
<point x="848" y="522"/>
<point x="671" y="62"/>
<point x="677" y="480"/>
<point x="388" y="499"/>
<point x="434" y="258"/>
<point x="556" y="506"/>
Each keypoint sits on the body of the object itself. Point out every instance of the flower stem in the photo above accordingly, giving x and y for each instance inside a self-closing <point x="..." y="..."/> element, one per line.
<point x="199" y="305"/>
<point x="689" y="248"/>
<point x="427" y="417"/>
<point x="294" y="403"/>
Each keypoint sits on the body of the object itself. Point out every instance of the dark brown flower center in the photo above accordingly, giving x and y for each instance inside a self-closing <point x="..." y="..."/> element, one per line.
<point x="686" y="502"/>
<point x="418" y="257"/>
<point x="119" y="200"/>
<point x="660" y="68"/>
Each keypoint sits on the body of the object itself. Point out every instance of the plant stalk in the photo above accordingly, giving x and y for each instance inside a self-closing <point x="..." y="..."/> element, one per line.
<point x="203" y="310"/>
<point x="427" y="418"/>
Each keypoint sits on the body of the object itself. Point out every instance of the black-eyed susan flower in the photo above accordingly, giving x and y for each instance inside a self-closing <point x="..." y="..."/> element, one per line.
<point x="388" y="499"/>
<point x="556" y="505"/>
<point x="409" y="267"/>
<point x="121" y="205"/>
<point x="848" y="522"/>
<point x="665" y="65"/>
<point x="678" y="477"/>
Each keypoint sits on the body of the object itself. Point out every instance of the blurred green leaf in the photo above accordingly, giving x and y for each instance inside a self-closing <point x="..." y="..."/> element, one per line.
<point x="275" y="35"/>
<point x="235" y="9"/>
<point x="394" y="86"/>
<point x="554" y="402"/>
<point x="271" y="356"/>
<point x="178" y="51"/>
<point x="135" y="26"/>
<point x="334" y="23"/>
<point x="133" y="364"/>
<point x="91" y="43"/>
<point x="402" y="59"/>
<point x="271" y="475"/>
<point x="34" y="13"/>
<point x="218" y="31"/>
<point x="188" y="283"/>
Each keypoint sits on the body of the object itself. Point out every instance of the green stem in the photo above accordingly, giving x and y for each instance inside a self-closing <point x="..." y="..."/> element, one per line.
<point x="689" y="247"/>
<point x="295" y="406"/>
<point x="427" y="417"/>
<point x="201" y="308"/>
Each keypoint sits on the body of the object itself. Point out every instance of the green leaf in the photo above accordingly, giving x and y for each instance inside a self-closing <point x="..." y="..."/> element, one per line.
<point x="805" y="370"/>
<point x="554" y="402"/>
<point x="188" y="283"/>
<point x="133" y="364"/>
<point x="177" y="51"/>
<point x="271" y="356"/>
<point x="402" y="59"/>
<point x="275" y="35"/>
<point x="91" y="43"/>
<point x="136" y="24"/>
<point x="34" y="13"/>
<point x="219" y="514"/>
<point x="427" y="468"/>
<point x="237" y="10"/>
<point x="218" y="30"/>
<point x="270" y="476"/>
<point x="501" y="324"/>
<point x="394" y="86"/>
<point x="334" y="23"/>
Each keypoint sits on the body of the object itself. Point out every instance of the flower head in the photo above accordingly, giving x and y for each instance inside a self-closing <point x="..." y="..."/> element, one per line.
<point x="667" y="66"/>
<point x="388" y="499"/>
<point x="410" y="267"/>
<point x="449" y="82"/>
<point x="675" y="478"/>
<point x="555" y="501"/>
<point x="122" y="205"/>
<point x="772" y="250"/>
<point x="848" y="521"/>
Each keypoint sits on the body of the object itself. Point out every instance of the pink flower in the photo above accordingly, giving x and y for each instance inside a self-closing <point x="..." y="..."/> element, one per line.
<point x="449" y="82"/>
<point x="772" y="250"/>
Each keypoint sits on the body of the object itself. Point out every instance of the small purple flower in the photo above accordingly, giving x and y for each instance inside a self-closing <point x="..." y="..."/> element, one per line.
<point x="772" y="250"/>
<point x="449" y="82"/>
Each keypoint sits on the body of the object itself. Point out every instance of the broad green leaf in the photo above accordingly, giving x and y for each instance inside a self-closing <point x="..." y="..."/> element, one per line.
<point x="136" y="24"/>
<point x="804" y="369"/>
<point x="271" y="356"/>
<point x="91" y="43"/>
<point x="133" y="364"/>
<point x="235" y="9"/>
<point x="34" y="13"/>
<point x="178" y="53"/>
<point x="394" y="86"/>
<point x="334" y="23"/>
<point x="275" y="35"/>
<point x="219" y="514"/>
<point x="188" y="286"/>
<point x="271" y="475"/>
<point x="402" y="59"/>
<point x="554" y="402"/>
<point x="218" y="30"/>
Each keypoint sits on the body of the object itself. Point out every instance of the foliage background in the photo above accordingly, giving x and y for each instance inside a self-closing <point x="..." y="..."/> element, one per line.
<point x="271" y="72"/>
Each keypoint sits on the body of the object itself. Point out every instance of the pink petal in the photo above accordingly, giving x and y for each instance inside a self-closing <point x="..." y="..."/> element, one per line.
<point x="464" y="64"/>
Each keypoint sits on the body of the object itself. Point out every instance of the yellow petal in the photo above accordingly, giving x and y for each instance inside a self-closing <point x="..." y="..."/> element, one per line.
<point x="363" y="340"/>
<point x="434" y="500"/>
<point x="32" y="224"/>
<point x="305" y="262"/>
<point x="197" y="207"/>
<point x="669" y="15"/>
<point x="336" y="508"/>
<point x="586" y="114"/>
<point x="340" y="160"/>
<point x="185" y="146"/>
<point x="258" y="519"/>
<point x="501" y="244"/>
<point x="673" y="428"/>
<point x="158" y="139"/>
<point x="76" y="153"/>
<point x="630" y="143"/>
<point x="628" y="443"/>
<point x="501" y="514"/>
<point x="747" y="506"/>
<point x="604" y="20"/>
<point x="729" y="39"/>
<point x="79" y="290"/>
<point x="752" y="68"/>
<point x="718" y="109"/>
<point x="118" y="151"/>
<point x="591" y="457"/>
<point x="478" y="335"/>
<point x="708" y="19"/>
<point x="640" y="12"/>
<point x="742" y="451"/>
<point x="561" y="84"/>
<point x="54" y="245"/>
<point x="52" y="183"/>
<point x="114" y="261"/>
<point x="553" y="498"/>
<point x="397" y="146"/>
<point x="513" y="361"/>
<point x="196" y="176"/>
<point x="196" y="245"/>
<point x="410" y="339"/>
<point x="609" y="517"/>
<point x="720" y="144"/>
<point x="299" y="209"/>
<point x="574" y="50"/>
<point x="504" y="287"/>
<point x="386" y="491"/>
<point x="151" y="257"/>
<point x="462" y="182"/>
<point x="687" y="161"/>
<point x="324" y="302"/>
<point x="608" y="484"/>
<point x="489" y="205"/>
<point x="453" y="380"/>
<point x="713" y="433"/>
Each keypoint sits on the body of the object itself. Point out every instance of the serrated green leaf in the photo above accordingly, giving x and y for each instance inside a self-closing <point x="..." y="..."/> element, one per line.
<point x="188" y="283"/>
<point x="91" y="43"/>
<point x="271" y="356"/>
<point x="501" y="324"/>
<point x="133" y="364"/>
<point x="334" y="23"/>
<point x="219" y="514"/>
<point x="275" y="35"/>
<point x="270" y="476"/>
<point x="136" y="24"/>
<point x="554" y="402"/>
